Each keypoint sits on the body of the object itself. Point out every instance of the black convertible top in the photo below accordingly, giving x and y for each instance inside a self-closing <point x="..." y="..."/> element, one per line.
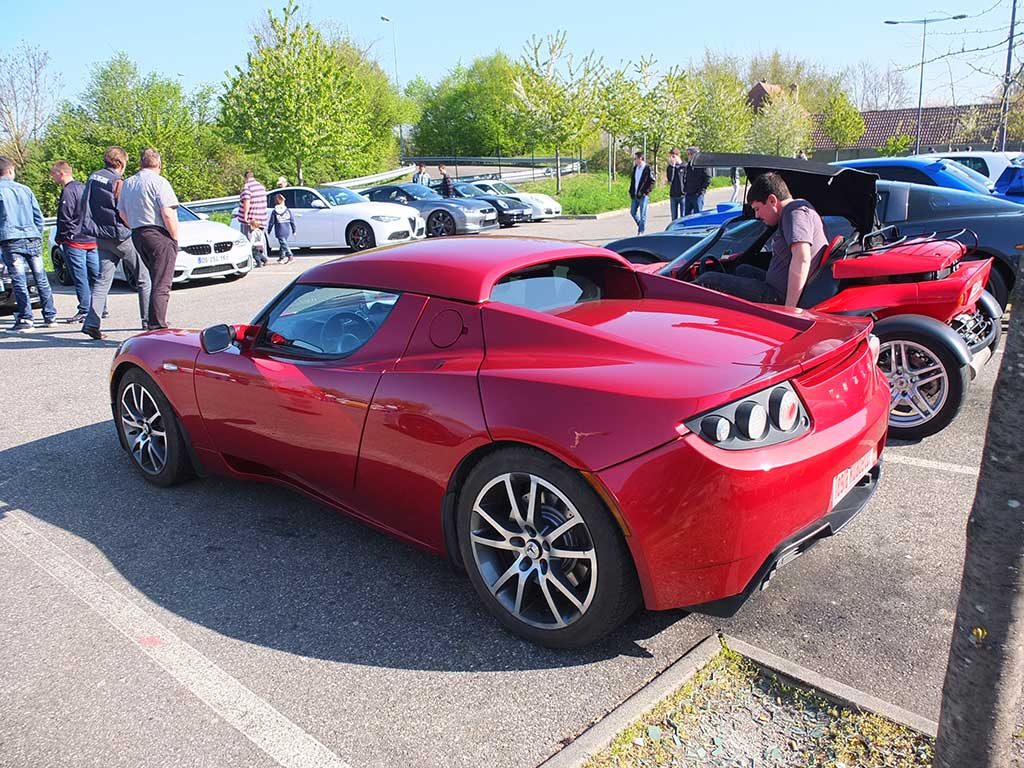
<point x="831" y="189"/>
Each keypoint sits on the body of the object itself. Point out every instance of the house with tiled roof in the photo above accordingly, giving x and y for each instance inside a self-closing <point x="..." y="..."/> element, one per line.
<point x="944" y="128"/>
<point x="764" y="91"/>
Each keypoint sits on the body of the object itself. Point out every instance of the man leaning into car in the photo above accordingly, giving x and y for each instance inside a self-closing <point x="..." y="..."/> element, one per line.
<point x="148" y="206"/>
<point x="798" y="245"/>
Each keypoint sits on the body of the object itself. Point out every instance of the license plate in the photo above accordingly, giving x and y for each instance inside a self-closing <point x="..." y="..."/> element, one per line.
<point x="215" y="259"/>
<point x="844" y="482"/>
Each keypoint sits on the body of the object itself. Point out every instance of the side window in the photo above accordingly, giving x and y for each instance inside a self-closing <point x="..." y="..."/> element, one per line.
<point x="289" y="197"/>
<point x="912" y="175"/>
<point x="304" y="198"/>
<point x="377" y="195"/>
<point x="974" y="163"/>
<point x="325" y="321"/>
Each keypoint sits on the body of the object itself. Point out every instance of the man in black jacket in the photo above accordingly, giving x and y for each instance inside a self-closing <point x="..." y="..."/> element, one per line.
<point x="77" y="247"/>
<point x="640" y="183"/>
<point x="696" y="184"/>
<point x="113" y="240"/>
<point x="674" y="175"/>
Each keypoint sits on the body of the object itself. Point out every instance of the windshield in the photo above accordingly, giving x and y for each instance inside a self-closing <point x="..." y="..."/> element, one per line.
<point x="420" y="192"/>
<point x="968" y="177"/>
<point x="734" y="237"/>
<point x="340" y="195"/>
<point x="185" y="214"/>
<point x="504" y="189"/>
<point x="469" y="190"/>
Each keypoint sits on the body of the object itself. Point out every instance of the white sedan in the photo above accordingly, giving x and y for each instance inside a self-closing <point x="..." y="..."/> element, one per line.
<point x="205" y="249"/>
<point x="335" y="217"/>
<point x="543" y="206"/>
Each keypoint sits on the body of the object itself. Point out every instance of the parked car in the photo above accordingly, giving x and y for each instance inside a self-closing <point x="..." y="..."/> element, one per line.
<point x="937" y="324"/>
<point x="988" y="164"/>
<point x="510" y="210"/>
<point x="542" y="206"/>
<point x="336" y="217"/>
<point x="444" y="216"/>
<point x="935" y="172"/>
<point x="994" y="228"/>
<point x="8" y="304"/>
<point x="205" y="249"/>
<point x="614" y="426"/>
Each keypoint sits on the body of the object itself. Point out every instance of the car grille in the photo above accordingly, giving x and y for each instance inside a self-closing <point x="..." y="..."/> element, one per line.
<point x="223" y="246"/>
<point x="212" y="269"/>
<point x="196" y="250"/>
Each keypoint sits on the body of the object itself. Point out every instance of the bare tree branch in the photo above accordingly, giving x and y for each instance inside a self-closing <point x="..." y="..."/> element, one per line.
<point x="28" y="98"/>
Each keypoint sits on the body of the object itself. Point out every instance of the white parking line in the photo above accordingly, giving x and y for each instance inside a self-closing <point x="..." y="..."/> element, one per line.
<point x="257" y="720"/>
<point x="942" y="466"/>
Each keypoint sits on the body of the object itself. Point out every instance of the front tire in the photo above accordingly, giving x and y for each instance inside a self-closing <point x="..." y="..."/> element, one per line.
<point x="928" y="385"/>
<point x="60" y="267"/>
<point x="149" y="428"/>
<point x="440" y="224"/>
<point x="542" y="550"/>
<point x="360" y="236"/>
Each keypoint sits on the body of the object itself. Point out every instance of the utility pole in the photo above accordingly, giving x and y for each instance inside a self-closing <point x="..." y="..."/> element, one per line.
<point x="1005" y="107"/>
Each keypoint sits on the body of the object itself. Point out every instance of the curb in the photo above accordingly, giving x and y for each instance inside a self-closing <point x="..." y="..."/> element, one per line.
<point x="605" y="214"/>
<point x="598" y="736"/>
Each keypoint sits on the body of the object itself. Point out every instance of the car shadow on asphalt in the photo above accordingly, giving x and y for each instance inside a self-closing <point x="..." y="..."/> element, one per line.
<point x="38" y="338"/>
<point x="267" y="566"/>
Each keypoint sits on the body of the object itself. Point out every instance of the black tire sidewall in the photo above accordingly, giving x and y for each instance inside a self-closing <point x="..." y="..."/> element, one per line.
<point x="996" y="285"/>
<point x="175" y="469"/>
<point x="371" y="239"/>
<point x="617" y="594"/>
<point x="61" y="270"/>
<point x="957" y="375"/>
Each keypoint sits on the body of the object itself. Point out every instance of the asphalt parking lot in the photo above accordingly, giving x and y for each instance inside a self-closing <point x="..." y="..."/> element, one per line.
<point x="220" y="623"/>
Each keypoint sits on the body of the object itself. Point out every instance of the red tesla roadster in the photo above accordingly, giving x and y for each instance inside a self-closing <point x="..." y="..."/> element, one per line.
<point x="580" y="437"/>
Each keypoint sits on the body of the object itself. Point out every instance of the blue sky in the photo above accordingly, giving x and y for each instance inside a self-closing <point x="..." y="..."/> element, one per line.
<point x="202" y="40"/>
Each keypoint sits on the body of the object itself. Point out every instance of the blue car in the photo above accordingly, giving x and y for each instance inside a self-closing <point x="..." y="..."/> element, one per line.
<point x="709" y="217"/>
<point x="935" y="172"/>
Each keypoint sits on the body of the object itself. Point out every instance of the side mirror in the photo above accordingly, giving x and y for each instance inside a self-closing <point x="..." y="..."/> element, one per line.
<point x="318" y="203"/>
<point x="217" y="338"/>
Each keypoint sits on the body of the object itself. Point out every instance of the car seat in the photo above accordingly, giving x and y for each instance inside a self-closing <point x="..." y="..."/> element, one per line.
<point x="822" y="285"/>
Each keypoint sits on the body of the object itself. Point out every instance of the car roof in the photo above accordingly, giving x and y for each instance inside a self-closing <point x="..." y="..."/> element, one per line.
<point x="902" y="162"/>
<point x="461" y="269"/>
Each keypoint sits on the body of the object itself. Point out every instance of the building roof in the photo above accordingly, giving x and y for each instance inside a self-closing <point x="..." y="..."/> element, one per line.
<point x="941" y="127"/>
<point x="457" y="268"/>
<point x="763" y="90"/>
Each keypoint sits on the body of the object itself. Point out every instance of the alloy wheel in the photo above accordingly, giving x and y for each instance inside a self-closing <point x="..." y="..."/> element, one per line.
<point x="533" y="550"/>
<point x="360" y="237"/>
<point x="440" y="224"/>
<point x="918" y="382"/>
<point x="144" y="429"/>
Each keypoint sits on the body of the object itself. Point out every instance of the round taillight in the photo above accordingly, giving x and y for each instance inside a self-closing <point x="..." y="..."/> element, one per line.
<point x="716" y="428"/>
<point x="784" y="407"/>
<point x="752" y="420"/>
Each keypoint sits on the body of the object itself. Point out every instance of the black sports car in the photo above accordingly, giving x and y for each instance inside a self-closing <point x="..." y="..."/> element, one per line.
<point x="510" y="210"/>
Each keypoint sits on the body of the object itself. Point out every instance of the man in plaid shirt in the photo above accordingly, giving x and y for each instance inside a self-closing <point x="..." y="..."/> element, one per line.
<point x="252" y="214"/>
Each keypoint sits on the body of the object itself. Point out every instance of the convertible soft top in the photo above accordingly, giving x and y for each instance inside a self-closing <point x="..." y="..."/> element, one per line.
<point x="831" y="189"/>
<point x="461" y="269"/>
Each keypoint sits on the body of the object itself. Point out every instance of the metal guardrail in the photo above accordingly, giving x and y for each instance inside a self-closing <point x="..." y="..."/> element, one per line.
<point x="527" y="175"/>
<point x="484" y="160"/>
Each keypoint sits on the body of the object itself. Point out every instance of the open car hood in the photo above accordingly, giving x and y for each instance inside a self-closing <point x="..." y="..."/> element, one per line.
<point x="832" y="190"/>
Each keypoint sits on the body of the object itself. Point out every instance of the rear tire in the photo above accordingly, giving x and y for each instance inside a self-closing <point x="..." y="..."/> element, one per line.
<point x="555" y="569"/>
<point x="996" y="285"/>
<point x="928" y="385"/>
<point x="149" y="427"/>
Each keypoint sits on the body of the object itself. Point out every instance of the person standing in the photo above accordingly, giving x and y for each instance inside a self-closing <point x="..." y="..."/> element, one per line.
<point x="77" y="247"/>
<point x="695" y="184"/>
<point x="282" y="224"/>
<point x="735" y="177"/>
<point x="252" y="214"/>
<point x="113" y="240"/>
<point x="282" y="182"/>
<point x="421" y="176"/>
<point x="21" y="246"/>
<point x="640" y="183"/>
<point x="447" y="185"/>
<point x="801" y="155"/>
<point x="674" y="175"/>
<point x="148" y="206"/>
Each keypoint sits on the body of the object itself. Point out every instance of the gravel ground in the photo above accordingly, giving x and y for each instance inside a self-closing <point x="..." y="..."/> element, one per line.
<point x="735" y="715"/>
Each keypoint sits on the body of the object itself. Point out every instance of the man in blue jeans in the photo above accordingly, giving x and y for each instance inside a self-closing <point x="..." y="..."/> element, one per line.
<point x="640" y="183"/>
<point x="21" y="246"/>
<point x="78" y="247"/>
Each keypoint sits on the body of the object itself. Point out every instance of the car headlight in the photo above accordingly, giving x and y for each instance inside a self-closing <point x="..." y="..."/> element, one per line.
<point x="502" y="204"/>
<point x="768" y="417"/>
<point x="386" y="218"/>
<point x="241" y="240"/>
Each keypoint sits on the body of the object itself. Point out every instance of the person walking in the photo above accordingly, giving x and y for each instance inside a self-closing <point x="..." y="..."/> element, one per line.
<point x="282" y="224"/>
<point x="695" y="184"/>
<point x="735" y="177"/>
<point x="21" y="247"/>
<point x="421" y="176"/>
<point x="640" y="183"/>
<point x="148" y="206"/>
<point x="674" y="174"/>
<point x="252" y="215"/>
<point x="113" y="240"/>
<point x="447" y="185"/>
<point x="77" y="247"/>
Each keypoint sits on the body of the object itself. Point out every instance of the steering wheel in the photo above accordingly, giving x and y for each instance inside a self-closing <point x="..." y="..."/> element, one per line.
<point x="344" y="332"/>
<point x="697" y="265"/>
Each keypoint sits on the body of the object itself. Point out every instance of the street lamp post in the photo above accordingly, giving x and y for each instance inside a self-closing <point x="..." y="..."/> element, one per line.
<point x="398" y="83"/>
<point x="920" y="86"/>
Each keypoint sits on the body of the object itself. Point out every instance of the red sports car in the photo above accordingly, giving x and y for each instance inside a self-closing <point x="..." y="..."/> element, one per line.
<point x="578" y="436"/>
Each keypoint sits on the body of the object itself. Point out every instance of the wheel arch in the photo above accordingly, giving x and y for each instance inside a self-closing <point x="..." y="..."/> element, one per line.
<point x="945" y="335"/>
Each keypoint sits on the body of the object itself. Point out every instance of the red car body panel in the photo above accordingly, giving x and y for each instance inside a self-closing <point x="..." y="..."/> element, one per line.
<point x="603" y="386"/>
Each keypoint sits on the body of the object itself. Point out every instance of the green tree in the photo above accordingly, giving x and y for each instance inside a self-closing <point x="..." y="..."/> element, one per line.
<point x="841" y="121"/>
<point x="618" y="105"/>
<point x="663" y="114"/>
<point x="896" y="145"/>
<point x="719" y="116"/>
<point x="298" y="102"/>
<point x="558" y="94"/>
<point x="815" y="84"/>
<point x="782" y="127"/>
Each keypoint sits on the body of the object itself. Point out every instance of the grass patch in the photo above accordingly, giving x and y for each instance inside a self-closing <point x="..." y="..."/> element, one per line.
<point x="733" y="712"/>
<point x="224" y="217"/>
<point x="587" y="193"/>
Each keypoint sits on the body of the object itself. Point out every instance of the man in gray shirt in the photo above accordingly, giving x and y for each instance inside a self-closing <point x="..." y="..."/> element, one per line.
<point x="798" y="245"/>
<point x="148" y="206"/>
